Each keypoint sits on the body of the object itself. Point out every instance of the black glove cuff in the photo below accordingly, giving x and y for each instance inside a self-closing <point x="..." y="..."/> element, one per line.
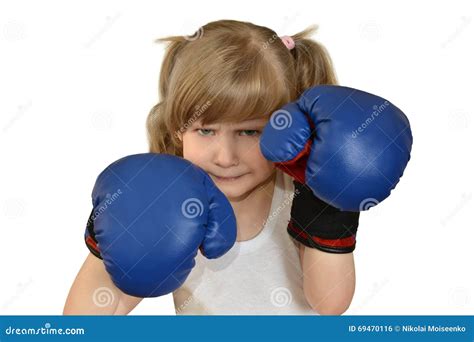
<point x="317" y="224"/>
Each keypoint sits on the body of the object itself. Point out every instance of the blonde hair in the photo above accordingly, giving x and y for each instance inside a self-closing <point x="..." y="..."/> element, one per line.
<point x="231" y="71"/>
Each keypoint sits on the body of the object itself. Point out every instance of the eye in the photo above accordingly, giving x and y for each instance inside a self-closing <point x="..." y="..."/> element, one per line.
<point x="250" y="132"/>
<point x="205" y="132"/>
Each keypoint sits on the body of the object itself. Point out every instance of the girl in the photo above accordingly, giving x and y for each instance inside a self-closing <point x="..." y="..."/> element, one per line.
<point x="218" y="89"/>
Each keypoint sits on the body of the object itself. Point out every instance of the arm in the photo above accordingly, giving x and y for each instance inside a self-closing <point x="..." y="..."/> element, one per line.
<point x="94" y="293"/>
<point x="327" y="238"/>
<point x="336" y="165"/>
<point x="328" y="280"/>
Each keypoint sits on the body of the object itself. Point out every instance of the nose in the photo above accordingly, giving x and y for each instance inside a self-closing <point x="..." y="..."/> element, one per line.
<point x="225" y="154"/>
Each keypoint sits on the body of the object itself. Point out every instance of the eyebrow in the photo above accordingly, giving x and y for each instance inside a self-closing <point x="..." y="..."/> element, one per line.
<point x="239" y="126"/>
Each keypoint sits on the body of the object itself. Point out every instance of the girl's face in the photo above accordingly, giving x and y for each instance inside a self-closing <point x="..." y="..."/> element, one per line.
<point x="230" y="154"/>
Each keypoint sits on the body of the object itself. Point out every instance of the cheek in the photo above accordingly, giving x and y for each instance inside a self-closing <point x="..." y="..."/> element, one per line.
<point x="192" y="149"/>
<point x="255" y="158"/>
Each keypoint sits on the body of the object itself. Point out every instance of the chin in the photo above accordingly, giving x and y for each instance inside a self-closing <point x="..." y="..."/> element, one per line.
<point x="237" y="193"/>
<point x="230" y="191"/>
<point x="234" y="195"/>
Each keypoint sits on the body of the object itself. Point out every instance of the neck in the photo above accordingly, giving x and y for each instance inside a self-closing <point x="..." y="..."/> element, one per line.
<point x="252" y="211"/>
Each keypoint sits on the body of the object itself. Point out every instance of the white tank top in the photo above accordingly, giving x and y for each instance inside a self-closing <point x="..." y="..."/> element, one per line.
<point x="261" y="276"/>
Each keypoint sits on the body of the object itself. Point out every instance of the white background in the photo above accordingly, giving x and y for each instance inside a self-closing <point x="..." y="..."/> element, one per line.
<point x="78" y="79"/>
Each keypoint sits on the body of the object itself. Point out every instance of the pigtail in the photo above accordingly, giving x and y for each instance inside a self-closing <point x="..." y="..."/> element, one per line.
<point x="312" y="61"/>
<point x="163" y="139"/>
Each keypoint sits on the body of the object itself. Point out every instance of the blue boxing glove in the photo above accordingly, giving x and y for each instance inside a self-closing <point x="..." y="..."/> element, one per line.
<point x="348" y="146"/>
<point x="152" y="212"/>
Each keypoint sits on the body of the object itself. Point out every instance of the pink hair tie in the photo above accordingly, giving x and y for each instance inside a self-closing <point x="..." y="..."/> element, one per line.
<point x="288" y="41"/>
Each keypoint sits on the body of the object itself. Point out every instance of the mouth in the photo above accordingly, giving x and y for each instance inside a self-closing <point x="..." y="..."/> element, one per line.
<point x="227" y="179"/>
